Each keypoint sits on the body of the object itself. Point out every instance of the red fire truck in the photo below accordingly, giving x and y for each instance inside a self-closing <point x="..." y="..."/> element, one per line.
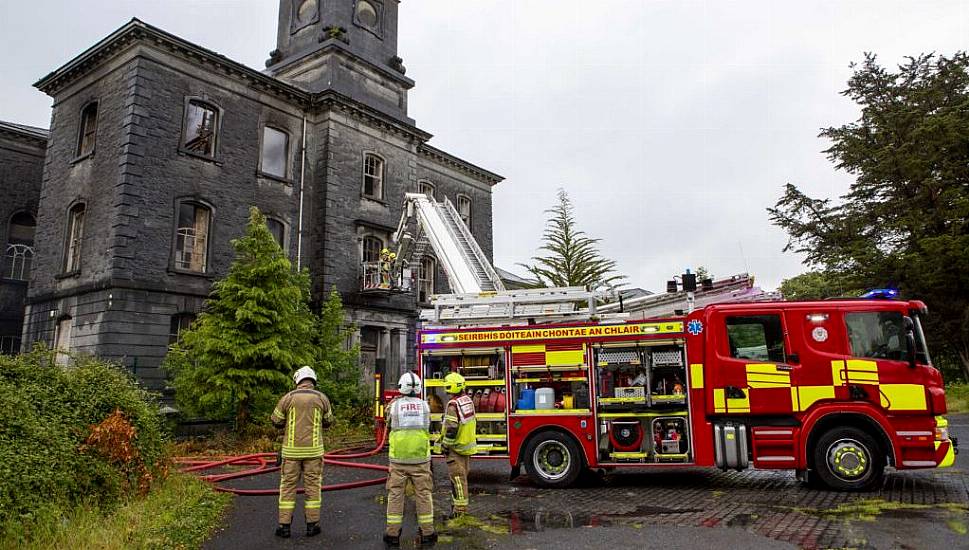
<point x="835" y="390"/>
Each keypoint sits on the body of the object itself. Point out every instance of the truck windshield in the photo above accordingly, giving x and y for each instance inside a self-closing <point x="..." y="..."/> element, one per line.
<point x="921" y="349"/>
<point x="881" y="335"/>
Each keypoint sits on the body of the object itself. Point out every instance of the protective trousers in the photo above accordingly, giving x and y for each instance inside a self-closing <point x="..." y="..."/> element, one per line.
<point x="312" y="469"/>
<point x="422" y="479"/>
<point x="457" y="471"/>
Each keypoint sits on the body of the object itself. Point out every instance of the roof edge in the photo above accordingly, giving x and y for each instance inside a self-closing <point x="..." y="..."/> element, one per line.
<point x="485" y="175"/>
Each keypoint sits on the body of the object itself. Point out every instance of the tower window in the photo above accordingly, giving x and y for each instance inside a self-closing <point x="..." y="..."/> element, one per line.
<point x="87" y="132"/>
<point x="201" y="128"/>
<point x="373" y="176"/>
<point x="75" y="237"/>
<point x="464" y="209"/>
<point x="367" y="15"/>
<point x="192" y="237"/>
<point x="275" y="152"/>
<point x="425" y="188"/>
<point x="19" y="254"/>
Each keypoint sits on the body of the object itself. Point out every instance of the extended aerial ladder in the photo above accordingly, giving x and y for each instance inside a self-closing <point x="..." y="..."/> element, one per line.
<point x="479" y="295"/>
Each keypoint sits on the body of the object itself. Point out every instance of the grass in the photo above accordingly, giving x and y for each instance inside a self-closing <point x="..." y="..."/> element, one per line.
<point x="957" y="397"/>
<point x="179" y="513"/>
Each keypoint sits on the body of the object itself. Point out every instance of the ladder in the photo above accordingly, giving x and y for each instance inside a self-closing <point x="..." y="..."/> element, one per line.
<point x="512" y="306"/>
<point x="467" y="268"/>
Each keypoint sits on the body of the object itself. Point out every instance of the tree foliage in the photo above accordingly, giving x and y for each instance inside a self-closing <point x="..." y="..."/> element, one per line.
<point x="338" y="366"/>
<point x="905" y="220"/>
<point x="572" y="258"/>
<point x="256" y="329"/>
<point x="817" y="285"/>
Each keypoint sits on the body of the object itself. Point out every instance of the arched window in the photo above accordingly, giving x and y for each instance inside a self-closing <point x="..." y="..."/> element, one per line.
<point x="371" y="248"/>
<point x="19" y="253"/>
<point x="75" y="238"/>
<point x="274" y="159"/>
<point x="425" y="279"/>
<point x="425" y="187"/>
<point x="201" y="128"/>
<point x="87" y="130"/>
<point x="192" y="236"/>
<point x="278" y="229"/>
<point x="373" y="176"/>
<point x="464" y="209"/>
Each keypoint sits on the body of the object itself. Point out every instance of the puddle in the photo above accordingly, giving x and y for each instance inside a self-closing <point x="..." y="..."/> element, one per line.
<point x="537" y="521"/>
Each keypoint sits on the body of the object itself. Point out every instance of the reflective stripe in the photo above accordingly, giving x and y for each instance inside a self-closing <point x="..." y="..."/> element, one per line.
<point x="287" y="504"/>
<point x="426" y="518"/>
<point x="316" y="427"/>
<point x="277" y="415"/>
<point x="312" y="504"/>
<point x="394" y="519"/>
<point x="302" y="452"/>
<point x="291" y="428"/>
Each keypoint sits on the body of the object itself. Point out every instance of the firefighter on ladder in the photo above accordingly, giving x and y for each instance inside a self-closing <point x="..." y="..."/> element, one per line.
<point x="304" y="412"/>
<point x="458" y="440"/>
<point x="409" y="419"/>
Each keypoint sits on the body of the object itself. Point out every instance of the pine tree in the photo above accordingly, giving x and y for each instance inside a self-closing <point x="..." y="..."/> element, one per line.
<point x="572" y="257"/>
<point x="255" y="330"/>
<point x="337" y="366"/>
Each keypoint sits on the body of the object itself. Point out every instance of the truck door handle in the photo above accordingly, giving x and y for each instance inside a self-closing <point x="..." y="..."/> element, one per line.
<point x="785" y="368"/>
<point x="733" y="392"/>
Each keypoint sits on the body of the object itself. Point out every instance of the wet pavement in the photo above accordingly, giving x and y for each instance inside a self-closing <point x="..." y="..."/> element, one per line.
<point x="669" y="510"/>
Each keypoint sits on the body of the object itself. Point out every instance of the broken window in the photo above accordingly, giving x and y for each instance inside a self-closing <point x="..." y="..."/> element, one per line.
<point x="88" y="129"/>
<point x="192" y="236"/>
<point x="201" y="128"/>
<point x="275" y="151"/>
<point x="179" y="322"/>
<point x="373" y="176"/>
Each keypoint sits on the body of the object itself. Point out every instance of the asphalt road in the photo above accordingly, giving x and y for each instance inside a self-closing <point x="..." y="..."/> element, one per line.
<point x="668" y="510"/>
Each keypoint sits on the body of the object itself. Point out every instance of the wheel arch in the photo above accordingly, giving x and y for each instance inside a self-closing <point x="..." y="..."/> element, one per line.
<point x="858" y="419"/>
<point x="537" y="431"/>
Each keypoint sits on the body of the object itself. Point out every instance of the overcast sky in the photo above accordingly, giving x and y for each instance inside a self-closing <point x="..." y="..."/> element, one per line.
<point x="672" y="124"/>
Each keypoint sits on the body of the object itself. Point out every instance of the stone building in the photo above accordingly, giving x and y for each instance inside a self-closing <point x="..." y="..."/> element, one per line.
<point x="158" y="147"/>
<point x="21" y="169"/>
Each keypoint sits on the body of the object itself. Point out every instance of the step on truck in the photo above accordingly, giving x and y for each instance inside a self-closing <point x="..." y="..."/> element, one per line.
<point x="836" y="390"/>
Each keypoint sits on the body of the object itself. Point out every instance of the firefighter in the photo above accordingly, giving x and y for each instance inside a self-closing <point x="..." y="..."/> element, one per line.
<point x="410" y="459"/>
<point x="304" y="412"/>
<point x="458" y="440"/>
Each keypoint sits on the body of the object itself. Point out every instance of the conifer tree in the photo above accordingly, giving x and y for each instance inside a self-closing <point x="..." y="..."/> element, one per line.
<point x="256" y="329"/>
<point x="572" y="258"/>
<point x="338" y="366"/>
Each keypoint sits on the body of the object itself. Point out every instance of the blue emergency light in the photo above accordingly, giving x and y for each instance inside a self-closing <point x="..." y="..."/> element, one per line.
<point x="881" y="294"/>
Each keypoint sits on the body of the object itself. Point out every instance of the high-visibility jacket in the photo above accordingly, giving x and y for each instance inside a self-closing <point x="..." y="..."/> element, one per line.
<point x="460" y="426"/>
<point x="410" y="424"/>
<point x="305" y="413"/>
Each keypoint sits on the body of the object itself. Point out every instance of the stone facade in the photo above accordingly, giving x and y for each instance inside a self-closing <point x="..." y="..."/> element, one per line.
<point x="21" y="169"/>
<point x="132" y="289"/>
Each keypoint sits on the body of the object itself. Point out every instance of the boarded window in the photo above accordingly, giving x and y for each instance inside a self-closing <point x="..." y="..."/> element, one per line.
<point x="201" y="128"/>
<point x="87" y="132"/>
<point x="192" y="237"/>
<point x="373" y="176"/>
<point x="75" y="238"/>
<point x="275" y="152"/>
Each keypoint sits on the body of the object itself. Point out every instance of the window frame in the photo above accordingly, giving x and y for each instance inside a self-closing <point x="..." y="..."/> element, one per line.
<point x="423" y="279"/>
<point x="175" y="321"/>
<point x="285" y="242"/>
<point x="287" y="156"/>
<point x="79" y="153"/>
<point x="204" y="101"/>
<point x="379" y="197"/>
<point x="68" y="266"/>
<point x="462" y="197"/>
<point x="173" y="263"/>
<point x="27" y="250"/>
<point x="363" y="248"/>
<point x="428" y="183"/>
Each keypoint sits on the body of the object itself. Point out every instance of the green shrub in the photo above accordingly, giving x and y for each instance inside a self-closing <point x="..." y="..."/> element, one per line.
<point x="46" y="415"/>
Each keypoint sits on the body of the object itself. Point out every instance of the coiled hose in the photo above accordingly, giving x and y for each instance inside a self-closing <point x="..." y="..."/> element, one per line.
<point x="265" y="463"/>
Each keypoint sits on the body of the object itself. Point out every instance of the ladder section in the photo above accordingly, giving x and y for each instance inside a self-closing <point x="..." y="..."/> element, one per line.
<point x="543" y="304"/>
<point x="467" y="268"/>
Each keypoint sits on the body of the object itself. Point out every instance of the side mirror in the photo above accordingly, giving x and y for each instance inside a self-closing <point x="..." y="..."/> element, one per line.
<point x="910" y="340"/>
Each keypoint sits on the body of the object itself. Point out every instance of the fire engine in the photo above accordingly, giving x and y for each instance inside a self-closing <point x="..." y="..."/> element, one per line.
<point x="835" y="390"/>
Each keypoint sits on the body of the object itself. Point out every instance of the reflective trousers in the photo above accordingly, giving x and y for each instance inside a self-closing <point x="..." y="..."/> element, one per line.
<point x="422" y="479"/>
<point x="312" y="470"/>
<point x="457" y="471"/>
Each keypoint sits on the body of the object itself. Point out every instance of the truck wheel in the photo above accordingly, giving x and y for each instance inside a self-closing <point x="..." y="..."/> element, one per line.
<point x="553" y="460"/>
<point x="849" y="459"/>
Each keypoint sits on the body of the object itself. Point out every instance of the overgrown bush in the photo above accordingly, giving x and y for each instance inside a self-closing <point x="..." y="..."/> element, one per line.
<point x="60" y="433"/>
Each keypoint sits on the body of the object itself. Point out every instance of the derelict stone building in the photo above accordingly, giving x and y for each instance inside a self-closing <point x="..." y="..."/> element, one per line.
<point x="158" y="147"/>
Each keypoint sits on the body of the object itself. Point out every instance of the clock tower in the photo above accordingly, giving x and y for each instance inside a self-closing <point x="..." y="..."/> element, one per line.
<point x="344" y="46"/>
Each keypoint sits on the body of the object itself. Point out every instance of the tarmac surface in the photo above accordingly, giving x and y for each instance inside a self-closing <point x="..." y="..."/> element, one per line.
<point x="664" y="510"/>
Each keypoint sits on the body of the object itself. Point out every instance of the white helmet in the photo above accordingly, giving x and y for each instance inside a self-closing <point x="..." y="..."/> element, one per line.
<point x="303" y="373"/>
<point x="409" y="384"/>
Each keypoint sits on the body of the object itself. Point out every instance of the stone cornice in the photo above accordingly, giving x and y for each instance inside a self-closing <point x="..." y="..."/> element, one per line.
<point x="464" y="166"/>
<point x="359" y="111"/>
<point x="35" y="137"/>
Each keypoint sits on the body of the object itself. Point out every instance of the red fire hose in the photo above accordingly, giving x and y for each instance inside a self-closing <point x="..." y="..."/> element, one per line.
<point x="262" y="461"/>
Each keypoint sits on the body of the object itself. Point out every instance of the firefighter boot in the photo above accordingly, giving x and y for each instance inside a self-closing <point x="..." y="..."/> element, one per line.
<point x="312" y="529"/>
<point x="427" y="541"/>
<point x="392" y="541"/>
<point x="283" y="531"/>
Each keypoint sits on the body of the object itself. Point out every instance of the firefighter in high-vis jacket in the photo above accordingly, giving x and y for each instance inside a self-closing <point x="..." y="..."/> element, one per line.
<point x="409" y="419"/>
<point x="304" y="412"/>
<point x="458" y="440"/>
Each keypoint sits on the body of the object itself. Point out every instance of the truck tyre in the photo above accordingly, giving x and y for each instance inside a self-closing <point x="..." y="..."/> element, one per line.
<point x="553" y="460"/>
<point x="848" y="459"/>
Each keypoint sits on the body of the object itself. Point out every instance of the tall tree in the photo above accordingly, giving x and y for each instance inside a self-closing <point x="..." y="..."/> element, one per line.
<point x="905" y="220"/>
<point x="572" y="258"/>
<point x="256" y="329"/>
<point x="816" y="285"/>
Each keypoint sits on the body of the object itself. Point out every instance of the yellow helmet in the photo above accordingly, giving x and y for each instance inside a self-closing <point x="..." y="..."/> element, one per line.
<point x="453" y="383"/>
